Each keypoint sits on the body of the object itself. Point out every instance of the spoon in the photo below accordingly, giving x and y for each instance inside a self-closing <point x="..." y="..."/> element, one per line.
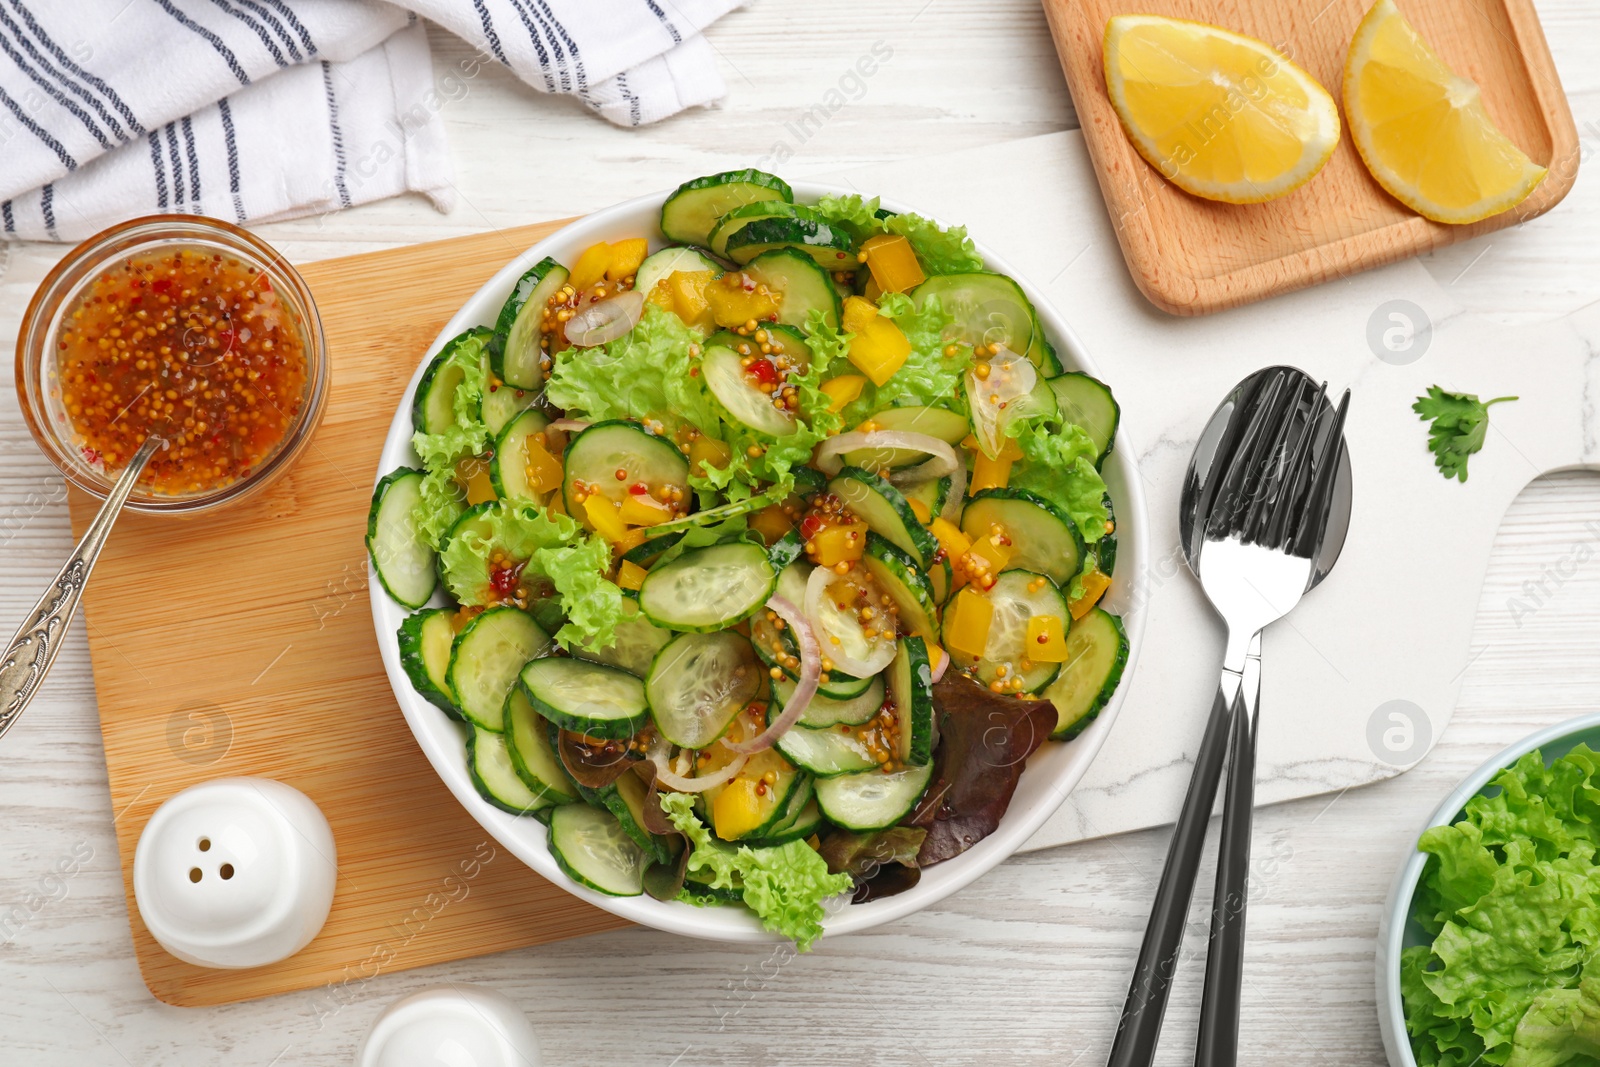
<point x="33" y="649"/>
<point x="1140" y="1024"/>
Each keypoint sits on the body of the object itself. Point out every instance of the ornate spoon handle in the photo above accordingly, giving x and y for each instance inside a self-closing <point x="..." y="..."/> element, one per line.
<point x="27" y="658"/>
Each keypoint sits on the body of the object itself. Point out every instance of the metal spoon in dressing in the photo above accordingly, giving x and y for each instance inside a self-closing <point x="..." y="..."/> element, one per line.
<point x="28" y="656"/>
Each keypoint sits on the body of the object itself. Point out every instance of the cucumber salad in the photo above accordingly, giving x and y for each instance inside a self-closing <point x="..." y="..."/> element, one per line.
<point x="757" y="554"/>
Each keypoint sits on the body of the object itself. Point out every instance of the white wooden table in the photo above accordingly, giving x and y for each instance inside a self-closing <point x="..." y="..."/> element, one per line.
<point x="1030" y="964"/>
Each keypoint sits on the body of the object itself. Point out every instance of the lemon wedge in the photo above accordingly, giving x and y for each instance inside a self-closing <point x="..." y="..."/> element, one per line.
<point x="1422" y="130"/>
<point x="1219" y="114"/>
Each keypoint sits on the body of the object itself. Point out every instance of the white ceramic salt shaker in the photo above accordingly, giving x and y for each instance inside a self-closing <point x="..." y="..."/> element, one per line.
<point x="235" y="872"/>
<point x="458" y="1025"/>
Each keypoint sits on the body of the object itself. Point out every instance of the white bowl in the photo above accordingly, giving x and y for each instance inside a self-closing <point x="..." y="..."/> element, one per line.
<point x="1051" y="773"/>
<point x="1396" y="930"/>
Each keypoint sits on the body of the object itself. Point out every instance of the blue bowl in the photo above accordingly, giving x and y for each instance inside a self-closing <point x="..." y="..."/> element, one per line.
<point x="1399" y="929"/>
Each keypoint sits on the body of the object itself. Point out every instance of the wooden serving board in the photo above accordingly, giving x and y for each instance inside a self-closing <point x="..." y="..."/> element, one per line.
<point x="242" y="644"/>
<point x="1191" y="256"/>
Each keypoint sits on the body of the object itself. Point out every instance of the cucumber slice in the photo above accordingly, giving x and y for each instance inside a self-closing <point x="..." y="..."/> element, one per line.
<point x="635" y="646"/>
<point x="947" y="426"/>
<point x="841" y="632"/>
<point x="827" y="752"/>
<point x="809" y="481"/>
<point x="406" y="567"/>
<point x="709" y="588"/>
<point x="1049" y="363"/>
<point x="690" y="213"/>
<point x="872" y="800"/>
<point x="986" y="308"/>
<point x="830" y="248"/>
<point x="1087" y="403"/>
<point x="785" y="550"/>
<point x="592" y="848"/>
<point x="762" y="788"/>
<point x="433" y="409"/>
<point x="911" y="687"/>
<point x="1015" y="601"/>
<point x="777" y="647"/>
<point x="596" y="454"/>
<point x="698" y="683"/>
<point x="662" y="264"/>
<point x="885" y="512"/>
<point x="527" y="735"/>
<point x="490" y="768"/>
<point x="514" y="353"/>
<point x="645" y="553"/>
<point x="823" y="711"/>
<point x="742" y="216"/>
<point x="805" y="286"/>
<point x="799" y="819"/>
<point x="503" y="403"/>
<point x="1097" y="651"/>
<point x="735" y="390"/>
<point x="1044" y="539"/>
<point x="1010" y="389"/>
<point x="625" y="799"/>
<point x="508" y="471"/>
<point x="898" y="575"/>
<point x="931" y="494"/>
<point x="485" y="659"/>
<point x="425" y="640"/>
<point x="587" y="698"/>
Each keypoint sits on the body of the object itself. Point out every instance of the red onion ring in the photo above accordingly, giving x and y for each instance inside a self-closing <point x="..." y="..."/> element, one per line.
<point x="677" y="783"/>
<point x="569" y="425"/>
<point x="829" y="456"/>
<point x="942" y="665"/>
<point x="605" y="320"/>
<point x="804" y="689"/>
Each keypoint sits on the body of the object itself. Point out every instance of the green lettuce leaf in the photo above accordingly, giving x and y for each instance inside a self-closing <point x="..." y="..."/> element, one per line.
<point x="928" y="377"/>
<point x="643" y="374"/>
<point x="1058" y="464"/>
<point x="1511" y="897"/>
<point x="442" y="502"/>
<point x="940" y="250"/>
<point x="784" y="885"/>
<point x="469" y="435"/>
<point x="561" y="559"/>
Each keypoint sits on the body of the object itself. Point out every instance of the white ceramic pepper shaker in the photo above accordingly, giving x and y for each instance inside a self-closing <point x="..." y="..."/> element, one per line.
<point x="235" y="872"/>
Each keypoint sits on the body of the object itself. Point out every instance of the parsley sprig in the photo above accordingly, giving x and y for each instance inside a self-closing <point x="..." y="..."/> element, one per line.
<point x="1460" y="422"/>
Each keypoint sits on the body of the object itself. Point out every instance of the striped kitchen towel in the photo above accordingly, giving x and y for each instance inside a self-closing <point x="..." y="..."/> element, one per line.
<point x="253" y="110"/>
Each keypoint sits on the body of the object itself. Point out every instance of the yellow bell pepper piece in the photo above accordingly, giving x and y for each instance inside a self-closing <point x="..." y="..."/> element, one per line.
<point x="989" y="473"/>
<point x="970" y="617"/>
<point x="636" y="536"/>
<point x="987" y="557"/>
<point x="838" y="544"/>
<point x="1095" y="585"/>
<point x="920" y="510"/>
<point x="643" y="509"/>
<point x="893" y="263"/>
<point x="878" y="348"/>
<point x="661" y="297"/>
<point x="708" y="452"/>
<point x="733" y="305"/>
<point x="626" y="257"/>
<point x="1047" y="640"/>
<point x="842" y="390"/>
<point x="688" y="289"/>
<point x="955" y="545"/>
<point x="771" y="523"/>
<point x="630" y="575"/>
<point x="591" y="266"/>
<point x="737" y="809"/>
<point x="602" y="515"/>
<point x="472" y="474"/>
<point x="544" y="470"/>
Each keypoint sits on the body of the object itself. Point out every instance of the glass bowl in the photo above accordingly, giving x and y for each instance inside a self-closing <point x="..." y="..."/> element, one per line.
<point x="38" y="345"/>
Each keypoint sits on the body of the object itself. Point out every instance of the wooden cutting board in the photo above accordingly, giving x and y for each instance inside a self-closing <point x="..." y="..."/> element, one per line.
<point x="242" y="644"/>
<point x="1191" y="256"/>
